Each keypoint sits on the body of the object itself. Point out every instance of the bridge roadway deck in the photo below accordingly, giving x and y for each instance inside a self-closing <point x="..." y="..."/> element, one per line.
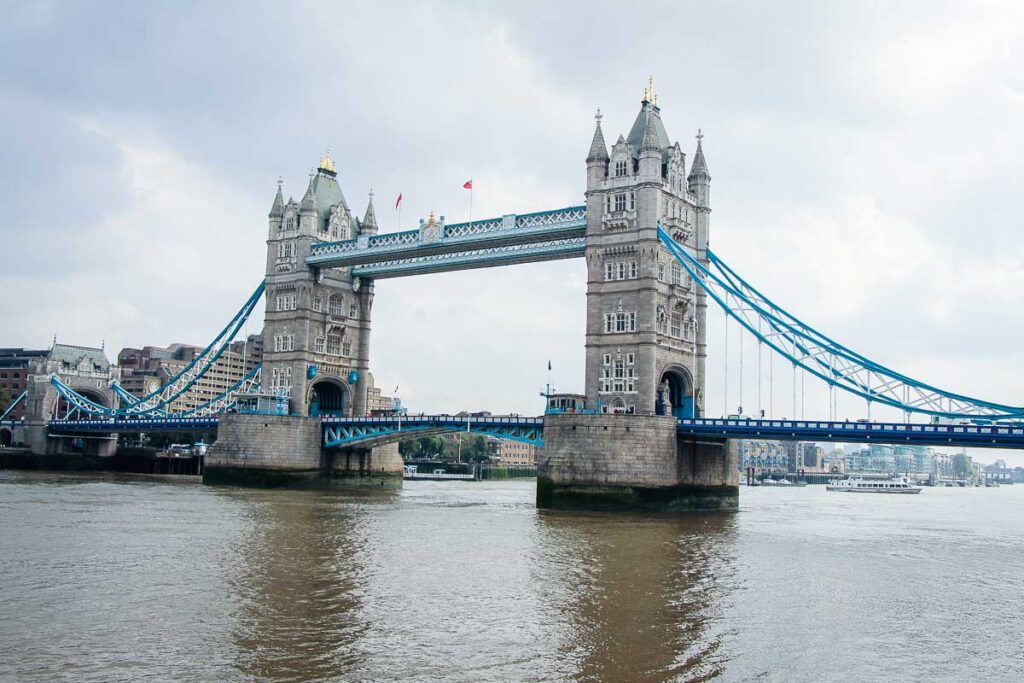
<point x="366" y="430"/>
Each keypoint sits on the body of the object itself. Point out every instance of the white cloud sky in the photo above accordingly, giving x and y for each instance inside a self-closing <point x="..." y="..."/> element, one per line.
<point x="866" y="162"/>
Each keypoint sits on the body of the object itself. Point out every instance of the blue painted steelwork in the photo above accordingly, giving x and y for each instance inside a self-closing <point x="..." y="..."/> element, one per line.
<point x="174" y="387"/>
<point x="367" y="431"/>
<point x="455" y="239"/>
<point x="135" y="424"/>
<point x="374" y="431"/>
<point x="954" y="435"/>
<point x="822" y="357"/>
<point x="229" y="397"/>
<point x="17" y="399"/>
<point x="483" y="258"/>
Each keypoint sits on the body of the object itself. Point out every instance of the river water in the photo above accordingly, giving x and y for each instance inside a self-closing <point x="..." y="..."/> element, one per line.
<point x="128" y="578"/>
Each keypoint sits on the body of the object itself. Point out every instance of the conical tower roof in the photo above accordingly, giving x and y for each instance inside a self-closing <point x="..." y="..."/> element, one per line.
<point x="369" y="223"/>
<point x="700" y="166"/>
<point x="277" y="210"/>
<point x="308" y="202"/>
<point x="598" y="149"/>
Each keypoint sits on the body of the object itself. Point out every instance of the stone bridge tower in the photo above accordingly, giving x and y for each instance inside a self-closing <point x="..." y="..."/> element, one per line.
<point x="646" y="343"/>
<point x="317" y="323"/>
<point x="645" y="319"/>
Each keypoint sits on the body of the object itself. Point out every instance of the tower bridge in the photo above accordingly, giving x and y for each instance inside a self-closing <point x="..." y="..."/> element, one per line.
<point x="642" y="438"/>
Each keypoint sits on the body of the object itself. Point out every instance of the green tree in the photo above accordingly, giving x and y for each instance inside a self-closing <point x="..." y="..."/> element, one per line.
<point x="409" y="450"/>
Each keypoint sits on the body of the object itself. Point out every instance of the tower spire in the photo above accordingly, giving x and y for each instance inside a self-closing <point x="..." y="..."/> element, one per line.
<point x="700" y="166"/>
<point x="369" y="225"/>
<point x="598" y="149"/>
<point x="277" y="210"/>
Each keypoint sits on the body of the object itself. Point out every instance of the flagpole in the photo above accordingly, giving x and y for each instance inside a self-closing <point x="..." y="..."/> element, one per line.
<point x="470" y="204"/>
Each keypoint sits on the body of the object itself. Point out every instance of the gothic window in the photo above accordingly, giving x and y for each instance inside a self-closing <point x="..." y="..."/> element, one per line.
<point x="346" y="348"/>
<point x="677" y="273"/>
<point x="609" y="271"/>
<point x="353" y="310"/>
<point x="632" y="201"/>
<point x="620" y="202"/>
<point x="334" y="344"/>
<point x="289" y="223"/>
<point x="285" y="250"/>
<point x="661" y="270"/>
<point x="609" y="323"/>
<point x="319" y="345"/>
<point x="285" y="302"/>
<point x="662" y="320"/>
<point x="676" y="322"/>
<point x="622" y="270"/>
<point x="620" y="169"/>
<point x="337" y="305"/>
<point x="630" y="359"/>
<point x="620" y="322"/>
<point x="606" y="359"/>
<point x="632" y="270"/>
<point x="318" y="304"/>
<point x="607" y="203"/>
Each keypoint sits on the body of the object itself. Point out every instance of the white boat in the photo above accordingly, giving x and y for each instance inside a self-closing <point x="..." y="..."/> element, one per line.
<point x="894" y="485"/>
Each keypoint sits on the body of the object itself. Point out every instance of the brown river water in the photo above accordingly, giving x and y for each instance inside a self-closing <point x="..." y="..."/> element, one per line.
<point x="109" y="577"/>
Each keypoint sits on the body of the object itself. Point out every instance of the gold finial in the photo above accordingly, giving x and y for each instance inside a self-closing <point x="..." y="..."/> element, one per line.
<point x="649" y="95"/>
<point x="430" y="219"/>
<point x="326" y="162"/>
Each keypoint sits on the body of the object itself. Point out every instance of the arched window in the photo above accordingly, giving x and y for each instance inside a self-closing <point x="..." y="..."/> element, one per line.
<point x="662" y="320"/>
<point x="334" y="343"/>
<point x="336" y="305"/>
<point x="677" y="273"/>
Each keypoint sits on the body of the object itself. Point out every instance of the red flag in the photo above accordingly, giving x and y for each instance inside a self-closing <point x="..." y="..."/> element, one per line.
<point x="468" y="185"/>
<point x="399" y="200"/>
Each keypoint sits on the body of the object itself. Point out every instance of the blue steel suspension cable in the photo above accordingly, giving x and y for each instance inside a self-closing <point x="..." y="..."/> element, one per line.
<point x="790" y="332"/>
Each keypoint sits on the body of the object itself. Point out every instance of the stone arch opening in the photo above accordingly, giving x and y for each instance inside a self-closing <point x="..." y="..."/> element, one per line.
<point x="64" y="408"/>
<point x="327" y="397"/>
<point x="675" y="394"/>
<point x="6" y="437"/>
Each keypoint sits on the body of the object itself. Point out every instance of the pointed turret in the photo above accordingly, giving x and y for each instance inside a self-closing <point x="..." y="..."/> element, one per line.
<point x="308" y="201"/>
<point x="597" y="159"/>
<point x="598" y="149"/>
<point x="277" y="210"/>
<point x="700" y="166"/>
<point x="369" y="224"/>
<point x="699" y="180"/>
<point x="650" y="142"/>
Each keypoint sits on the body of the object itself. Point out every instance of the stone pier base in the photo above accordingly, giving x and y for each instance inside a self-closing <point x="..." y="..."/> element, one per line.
<point x="285" y="451"/>
<point x="623" y="462"/>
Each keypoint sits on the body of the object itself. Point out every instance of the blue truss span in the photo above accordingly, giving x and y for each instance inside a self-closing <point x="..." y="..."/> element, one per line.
<point x="154" y="404"/>
<point x="895" y="433"/>
<point x="133" y="425"/>
<point x="367" y="432"/>
<point x="510" y="239"/>
<point x="822" y="357"/>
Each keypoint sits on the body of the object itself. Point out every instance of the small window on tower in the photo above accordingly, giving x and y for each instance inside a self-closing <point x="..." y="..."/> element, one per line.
<point x="620" y="202"/>
<point x="620" y="169"/>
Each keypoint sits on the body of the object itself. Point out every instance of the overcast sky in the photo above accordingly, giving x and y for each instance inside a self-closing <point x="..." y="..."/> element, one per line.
<point x="866" y="158"/>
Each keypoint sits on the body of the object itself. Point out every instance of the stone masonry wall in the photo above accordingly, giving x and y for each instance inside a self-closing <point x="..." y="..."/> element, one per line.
<point x="270" y="442"/>
<point x="610" y="450"/>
